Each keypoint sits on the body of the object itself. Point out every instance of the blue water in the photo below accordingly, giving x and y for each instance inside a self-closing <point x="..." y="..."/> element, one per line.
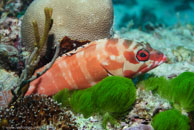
<point x="158" y="12"/>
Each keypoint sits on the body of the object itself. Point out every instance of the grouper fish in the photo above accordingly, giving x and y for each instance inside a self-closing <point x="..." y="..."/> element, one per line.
<point x="92" y="63"/>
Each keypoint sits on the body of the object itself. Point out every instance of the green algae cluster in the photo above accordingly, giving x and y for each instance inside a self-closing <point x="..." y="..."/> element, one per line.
<point x="170" y="120"/>
<point x="179" y="91"/>
<point x="111" y="97"/>
<point x="183" y="91"/>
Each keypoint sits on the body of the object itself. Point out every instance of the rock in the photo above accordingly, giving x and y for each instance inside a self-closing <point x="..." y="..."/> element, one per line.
<point x="9" y="57"/>
<point x="7" y="80"/>
<point x="140" y="127"/>
<point x="183" y="54"/>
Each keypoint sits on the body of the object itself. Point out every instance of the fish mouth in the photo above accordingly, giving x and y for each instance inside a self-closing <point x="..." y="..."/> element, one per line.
<point x="162" y="60"/>
<point x="159" y="61"/>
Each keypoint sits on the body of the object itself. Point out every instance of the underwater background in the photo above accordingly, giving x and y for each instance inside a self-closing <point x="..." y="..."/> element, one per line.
<point x="33" y="38"/>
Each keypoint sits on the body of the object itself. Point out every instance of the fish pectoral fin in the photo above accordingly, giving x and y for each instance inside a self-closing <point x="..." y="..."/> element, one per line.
<point x="108" y="73"/>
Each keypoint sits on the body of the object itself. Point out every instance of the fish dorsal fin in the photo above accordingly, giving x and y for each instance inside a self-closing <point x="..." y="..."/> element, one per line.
<point x="79" y="49"/>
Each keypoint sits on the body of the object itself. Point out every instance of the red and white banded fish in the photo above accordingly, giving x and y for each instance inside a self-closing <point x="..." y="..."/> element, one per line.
<point x="97" y="60"/>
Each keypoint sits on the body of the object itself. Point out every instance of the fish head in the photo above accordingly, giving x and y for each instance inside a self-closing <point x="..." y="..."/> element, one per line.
<point x="140" y="58"/>
<point x="129" y="58"/>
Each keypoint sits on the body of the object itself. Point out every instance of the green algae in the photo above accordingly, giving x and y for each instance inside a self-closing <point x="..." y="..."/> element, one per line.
<point x="62" y="97"/>
<point x="179" y="91"/>
<point x="183" y="91"/>
<point x="155" y="83"/>
<point x="111" y="97"/>
<point x="170" y="120"/>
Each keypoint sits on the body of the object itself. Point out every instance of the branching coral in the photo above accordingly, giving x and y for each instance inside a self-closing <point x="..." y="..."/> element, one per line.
<point x="32" y="62"/>
<point x="111" y="97"/>
<point x="170" y="120"/>
<point x="35" y="110"/>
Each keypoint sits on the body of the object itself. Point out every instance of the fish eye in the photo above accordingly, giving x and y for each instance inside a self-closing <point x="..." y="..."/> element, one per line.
<point x="143" y="55"/>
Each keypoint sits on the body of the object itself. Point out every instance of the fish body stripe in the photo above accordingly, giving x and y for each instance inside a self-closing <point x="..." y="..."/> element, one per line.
<point x="70" y="72"/>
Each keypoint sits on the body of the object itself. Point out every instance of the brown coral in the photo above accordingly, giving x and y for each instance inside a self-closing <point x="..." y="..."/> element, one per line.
<point x="77" y="19"/>
<point x="35" y="110"/>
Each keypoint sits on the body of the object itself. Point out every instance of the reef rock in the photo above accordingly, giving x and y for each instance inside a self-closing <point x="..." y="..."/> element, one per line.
<point x="77" y="19"/>
<point x="9" y="57"/>
<point x="7" y="80"/>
